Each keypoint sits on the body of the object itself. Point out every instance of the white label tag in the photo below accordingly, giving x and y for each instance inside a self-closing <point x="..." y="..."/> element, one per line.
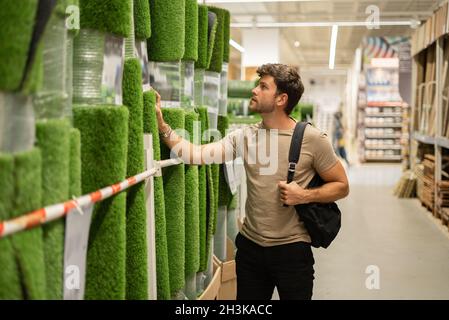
<point x="76" y="239"/>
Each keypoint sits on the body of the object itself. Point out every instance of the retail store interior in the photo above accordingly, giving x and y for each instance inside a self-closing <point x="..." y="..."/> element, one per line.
<point x="93" y="206"/>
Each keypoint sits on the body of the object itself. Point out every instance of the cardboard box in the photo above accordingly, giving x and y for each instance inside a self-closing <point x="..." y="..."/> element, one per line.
<point x="228" y="288"/>
<point x="213" y="288"/>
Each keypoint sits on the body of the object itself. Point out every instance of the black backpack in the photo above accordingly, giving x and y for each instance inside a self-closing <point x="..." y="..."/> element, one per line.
<point x="322" y="220"/>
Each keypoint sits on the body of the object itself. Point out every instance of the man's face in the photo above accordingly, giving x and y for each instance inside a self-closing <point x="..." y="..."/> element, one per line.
<point x="264" y="96"/>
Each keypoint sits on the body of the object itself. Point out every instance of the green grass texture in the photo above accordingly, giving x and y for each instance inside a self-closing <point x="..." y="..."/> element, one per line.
<point x="75" y="164"/>
<point x="211" y="40"/>
<point x="28" y="245"/>
<point x="15" y="36"/>
<point x="53" y="138"/>
<point x="150" y="126"/>
<point x="216" y="62"/>
<point x="201" y="62"/>
<point x="174" y="193"/>
<point x="224" y="193"/>
<point x="104" y="145"/>
<point x="191" y="31"/>
<point x="110" y="16"/>
<point x="142" y="19"/>
<point x="226" y="35"/>
<point x="192" y="225"/>
<point x="136" y="214"/>
<point x="167" y="30"/>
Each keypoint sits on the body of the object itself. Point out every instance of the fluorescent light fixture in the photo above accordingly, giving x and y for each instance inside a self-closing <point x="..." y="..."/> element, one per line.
<point x="411" y="23"/>
<point x="236" y="45"/>
<point x="296" y="44"/>
<point x="333" y="47"/>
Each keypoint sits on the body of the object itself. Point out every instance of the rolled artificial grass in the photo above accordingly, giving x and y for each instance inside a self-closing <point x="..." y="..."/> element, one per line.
<point x="211" y="34"/>
<point x="224" y="193"/>
<point x="174" y="193"/>
<point x="142" y="19"/>
<point x="35" y="77"/>
<point x="226" y="35"/>
<point x="75" y="164"/>
<point x="218" y="50"/>
<point x="136" y="214"/>
<point x="28" y="245"/>
<point x="191" y="31"/>
<point x="61" y="6"/>
<point x="192" y="232"/>
<point x="167" y="30"/>
<point x="104" y="141"/>
<point x="162" y="270"/>
<point x="9" y="277"/>
<point x="201" y="62"/>
<point x="240" y="89"/>
<point x="110" y="16"/>
<point x="18" y="19"/>
<point x="53" y="138"/>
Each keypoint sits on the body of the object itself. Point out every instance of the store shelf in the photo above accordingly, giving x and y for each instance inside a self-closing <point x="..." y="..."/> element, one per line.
<point x="386" y="125"/>
<point x="383" y="137"/>
<point x="384" y="158"/>
<point x="378" y="115"/>
<point x="385" y="104"/>
<point x="383" y="147"/>
<point x="442" y="142"/>
<point x="423" y="138"/>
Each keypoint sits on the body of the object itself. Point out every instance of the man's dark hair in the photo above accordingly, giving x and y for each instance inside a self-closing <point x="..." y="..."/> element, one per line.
<point x="287" y="81"/>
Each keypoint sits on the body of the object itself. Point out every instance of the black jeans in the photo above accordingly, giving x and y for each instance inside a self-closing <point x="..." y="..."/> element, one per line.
<point x="287" y="267"/>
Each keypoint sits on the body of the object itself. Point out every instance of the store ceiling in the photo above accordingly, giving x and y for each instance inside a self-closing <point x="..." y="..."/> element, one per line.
<point x="314" y="42"/>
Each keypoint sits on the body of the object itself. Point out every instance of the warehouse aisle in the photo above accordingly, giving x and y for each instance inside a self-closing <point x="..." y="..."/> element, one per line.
<point x="397" y="237"/>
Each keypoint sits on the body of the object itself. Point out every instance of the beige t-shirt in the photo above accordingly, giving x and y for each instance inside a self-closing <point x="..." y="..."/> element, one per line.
<point x="268" y="222"/>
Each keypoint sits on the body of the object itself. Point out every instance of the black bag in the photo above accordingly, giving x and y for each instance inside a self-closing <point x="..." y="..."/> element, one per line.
<point x="322" y="220"/>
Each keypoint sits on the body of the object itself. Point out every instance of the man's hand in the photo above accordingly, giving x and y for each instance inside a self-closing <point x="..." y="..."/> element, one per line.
<point x="292" y="194"/>
<point x="163" y="127"/>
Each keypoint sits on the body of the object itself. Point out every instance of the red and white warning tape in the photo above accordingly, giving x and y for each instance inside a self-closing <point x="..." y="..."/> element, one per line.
<point x="56" y="211"/>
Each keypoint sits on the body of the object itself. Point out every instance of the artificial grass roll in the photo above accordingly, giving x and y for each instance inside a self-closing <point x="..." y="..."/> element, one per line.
<point x="136" y="214"/>
<point x="201" y="62"/>
<point x="75" y="163"/>
<point x="224" y="193"/>
<point x="9" y="276"/>
<point x="150" y="126"/>
<point x="53" y="138"/>
<point x="191" y="31"/>
<point x="191" y="206"/>
<point x="203" y="195"/>
<point x="28" y="245"/>
<point x="213" y="215"/>
<point x="174" y="193"/>
<point x="61" y="6"/>
<point x="142" y="20"/>
<point x="211" y="33"/>
<point x="167" y="30"/>
<point x="15" y="37"/>
<point x="226" y="34"/>
<point x="110" y="16"/>
<point x="34" y="79"/>
<point x="104" y="141"/>
<point x="218" y="50"/>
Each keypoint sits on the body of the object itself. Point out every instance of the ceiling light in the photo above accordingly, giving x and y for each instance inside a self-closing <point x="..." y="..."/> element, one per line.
<point x="296" y="44"/>
<point x="333" y="47"/>
<point x="236" y="45"/>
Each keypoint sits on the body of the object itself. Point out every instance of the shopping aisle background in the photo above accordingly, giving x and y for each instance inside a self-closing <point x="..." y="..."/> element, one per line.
<point x="398" y="236"/>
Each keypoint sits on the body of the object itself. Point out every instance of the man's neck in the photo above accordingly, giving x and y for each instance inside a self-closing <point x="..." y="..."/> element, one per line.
<point x="280" y="122"/>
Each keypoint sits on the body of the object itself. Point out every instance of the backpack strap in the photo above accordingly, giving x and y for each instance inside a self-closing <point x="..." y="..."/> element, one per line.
<point x="295" y="149"/>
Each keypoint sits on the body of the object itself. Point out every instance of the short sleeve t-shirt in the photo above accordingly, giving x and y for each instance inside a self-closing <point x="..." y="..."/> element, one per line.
<point x="265" y="155"/>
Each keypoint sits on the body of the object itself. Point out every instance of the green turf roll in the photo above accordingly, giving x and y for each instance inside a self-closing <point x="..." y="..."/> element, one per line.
<point x="34" y="79"/>
<point x="75" y="164"/>
<point x="191" y="31"/>
<point x="201" y="62"/>
<point x="142" y="20"/>
<point x="61" y="6"/>
<point x="104" y="141"/>
<point x="216" y="180"/>
<point x="211" y="209"/>
<point x="28" y="245"/>
<point x="10" y="287"/>
<point x="136" y="215"/>
<point x="15" y="36"/>
<point x="218" y="50"/>
<point x="110" y="16"/>
<point x="240" y="89"/>
<point x="174" y="193"/>
<point x="224" y="193"/>
<point x="53" y="138"/>
<point x="191" y="206"/>
<point x="211" y="40"/>
<point x="150" y="126"/>
<point x="167" y="30"/>
<point x="226" y="35"/>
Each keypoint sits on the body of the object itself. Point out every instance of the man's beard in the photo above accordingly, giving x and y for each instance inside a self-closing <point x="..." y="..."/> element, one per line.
<point x="258" y="107"/>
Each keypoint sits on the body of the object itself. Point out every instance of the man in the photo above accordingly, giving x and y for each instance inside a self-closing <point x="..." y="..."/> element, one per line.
<point x="273" y="246"/>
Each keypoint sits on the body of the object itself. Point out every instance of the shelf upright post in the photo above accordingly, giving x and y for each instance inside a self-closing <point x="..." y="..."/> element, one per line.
<point x="438" y="118"/>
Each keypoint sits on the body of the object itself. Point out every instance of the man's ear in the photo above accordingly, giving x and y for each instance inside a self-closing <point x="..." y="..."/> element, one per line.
<point x="282" y="99"/>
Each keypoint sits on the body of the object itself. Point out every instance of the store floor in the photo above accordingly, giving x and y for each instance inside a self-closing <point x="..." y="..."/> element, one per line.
<point x="387" y="248"/>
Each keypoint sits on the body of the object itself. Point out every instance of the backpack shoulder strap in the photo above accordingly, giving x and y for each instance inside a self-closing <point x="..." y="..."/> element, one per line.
<point x="295" y="149"/>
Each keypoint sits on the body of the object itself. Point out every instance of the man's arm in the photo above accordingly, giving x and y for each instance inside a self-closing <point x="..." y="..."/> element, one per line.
<point x="335" y="188"/>
<point x="192" y="154"/>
